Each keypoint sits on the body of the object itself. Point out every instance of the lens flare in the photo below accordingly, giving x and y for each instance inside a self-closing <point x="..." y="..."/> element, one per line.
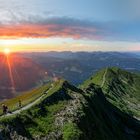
<point x="7" y="51"/>
<point x="10" y="70"/>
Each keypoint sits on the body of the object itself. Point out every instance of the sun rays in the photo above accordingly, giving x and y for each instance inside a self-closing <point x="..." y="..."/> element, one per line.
<point x="9" y="65"/>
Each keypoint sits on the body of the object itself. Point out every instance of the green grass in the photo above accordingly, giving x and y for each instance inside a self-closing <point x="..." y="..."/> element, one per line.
<point x="30" y="96"/>
<point x="38" y="120"/>
<point x="71" y="132"/>
<point x="56" y="86"/>
<point x="44" y="120"/>
<point x="35" y="121"/>
<point x="94" y="79"/>
<point x="121" y="88"/>
<point x="25" y="97"/>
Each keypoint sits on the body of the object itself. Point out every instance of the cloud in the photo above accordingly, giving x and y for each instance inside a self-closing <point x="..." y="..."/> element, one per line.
<point x="40" y="27"/>
<point x="53" y="27"/>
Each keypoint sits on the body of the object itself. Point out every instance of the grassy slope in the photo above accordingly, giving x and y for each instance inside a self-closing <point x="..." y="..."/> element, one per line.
<point x="121" y="88"/>
<point x="25" y="98"/>
<point x="39" y="120"/>
<point x="105" y="120"/>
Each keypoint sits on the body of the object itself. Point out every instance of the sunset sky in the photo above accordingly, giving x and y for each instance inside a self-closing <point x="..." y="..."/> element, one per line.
<point x="70" y="25"/>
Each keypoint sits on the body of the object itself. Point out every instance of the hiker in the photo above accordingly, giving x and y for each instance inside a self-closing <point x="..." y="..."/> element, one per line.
<point x="19" y="104"/>
<point x="5" y="109"/>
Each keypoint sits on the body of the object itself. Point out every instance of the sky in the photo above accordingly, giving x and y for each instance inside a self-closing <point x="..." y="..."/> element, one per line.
<point x="70" y="25"/>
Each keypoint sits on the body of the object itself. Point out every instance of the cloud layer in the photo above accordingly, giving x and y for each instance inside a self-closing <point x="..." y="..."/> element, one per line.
<point x="71" y="28"/>
<point x="54" y="27"/>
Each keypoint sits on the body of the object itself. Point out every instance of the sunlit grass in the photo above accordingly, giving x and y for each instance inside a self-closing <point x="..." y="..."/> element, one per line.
<point x="38" y="120"/>
<point x="26" y="98"/>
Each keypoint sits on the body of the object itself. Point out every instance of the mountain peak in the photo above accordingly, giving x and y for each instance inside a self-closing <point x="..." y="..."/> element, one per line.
<point x="108" y="75"/>
<point x="120" y="88"/>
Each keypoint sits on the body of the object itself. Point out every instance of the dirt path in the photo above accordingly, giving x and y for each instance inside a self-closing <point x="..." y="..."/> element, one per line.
<point x="104" y="78"/>
<point x="27" y="106"/>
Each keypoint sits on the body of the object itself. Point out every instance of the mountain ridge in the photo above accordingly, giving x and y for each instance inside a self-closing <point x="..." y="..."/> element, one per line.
<point x="70" y="113"/>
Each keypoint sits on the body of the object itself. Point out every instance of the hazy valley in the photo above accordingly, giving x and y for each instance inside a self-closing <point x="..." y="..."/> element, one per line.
<point x="30" y="70"/>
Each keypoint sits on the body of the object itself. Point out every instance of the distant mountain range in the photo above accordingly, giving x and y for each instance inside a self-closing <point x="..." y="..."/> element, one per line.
<point x="104" y="107"/>
<point x="77" y="67"/>
<point x="32" y="69"/>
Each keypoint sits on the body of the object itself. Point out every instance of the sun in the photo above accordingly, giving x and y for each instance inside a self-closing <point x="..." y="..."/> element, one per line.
<point x="7" y="51"/>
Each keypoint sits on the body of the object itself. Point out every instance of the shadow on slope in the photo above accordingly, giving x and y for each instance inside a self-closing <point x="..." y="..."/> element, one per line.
<point x="104" y="121"/>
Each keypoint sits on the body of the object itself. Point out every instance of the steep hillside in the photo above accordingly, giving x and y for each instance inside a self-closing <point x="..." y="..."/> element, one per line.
<point x="50" y="119"/>
<point x="120" y="87"/>
<point x="104" y="121"/>
<point x="69" y="113"/>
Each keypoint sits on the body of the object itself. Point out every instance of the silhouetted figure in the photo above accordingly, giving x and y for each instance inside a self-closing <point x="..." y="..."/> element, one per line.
<point x="19" y="104"/>
<point x="5" y="109"/>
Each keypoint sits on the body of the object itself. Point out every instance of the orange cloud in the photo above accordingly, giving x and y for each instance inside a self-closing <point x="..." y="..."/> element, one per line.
<point x="48" y="30"/>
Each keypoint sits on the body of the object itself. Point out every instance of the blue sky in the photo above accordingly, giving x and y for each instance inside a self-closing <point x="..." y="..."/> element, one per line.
<point x="77" y="25"/>
<point x="101" y="10"/>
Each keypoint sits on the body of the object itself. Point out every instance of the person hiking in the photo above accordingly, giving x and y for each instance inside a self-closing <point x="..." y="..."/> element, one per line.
<point x="19" y="104"/>
<point x="5" y="109"/>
